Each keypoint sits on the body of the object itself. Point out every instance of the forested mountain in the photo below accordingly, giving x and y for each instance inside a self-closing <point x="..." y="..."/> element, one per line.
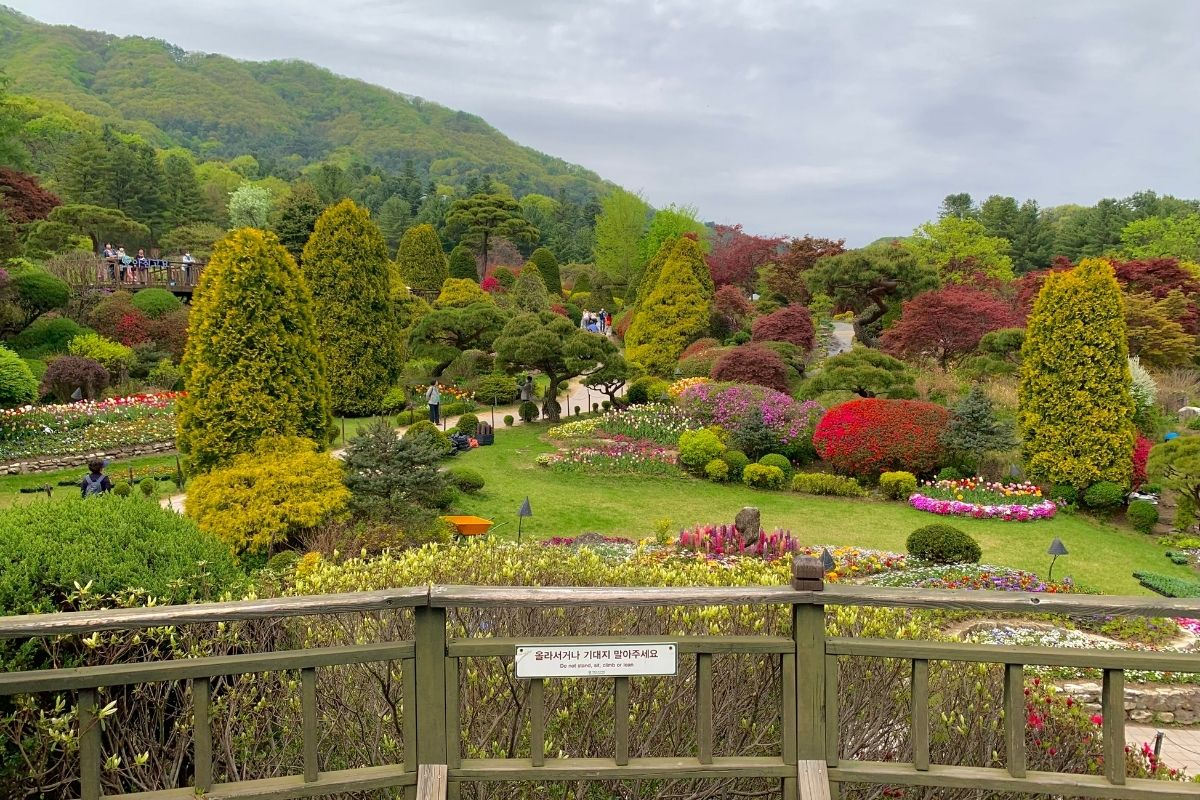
<point x="286" y="114"/>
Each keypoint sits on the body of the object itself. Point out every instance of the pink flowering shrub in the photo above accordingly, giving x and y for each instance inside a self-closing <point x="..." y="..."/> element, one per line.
<point x="734" y="407"/>
<point x="1015" y="512"/>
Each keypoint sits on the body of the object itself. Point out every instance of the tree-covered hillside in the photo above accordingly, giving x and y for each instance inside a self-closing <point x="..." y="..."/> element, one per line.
<point x="286" y="114"/>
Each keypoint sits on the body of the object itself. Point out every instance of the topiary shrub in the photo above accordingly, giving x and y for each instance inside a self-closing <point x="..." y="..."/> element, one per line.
<point x="496" y="389"/>
<point x="426" y="429"/>
<point x="1065" y="493"/>
<point x="943" y="544"/>
<point x="717" y="470"/>
<point x="467" y="424"/>
<point x="777" y="460"/>
<point x="737" y="461"/>
<point x="871" y="436"/>
<point x="18" y="387"/>
<point x="395" y="401"/>
<point x="1104" y="496"/>
<point x="1142" y="515"/>
<point x="148" y="487"/>
<point x="155" y="302"/>
<point x="47" y="335"/>
<point x="898" y="485"/>
<point x="422" y="262"/>
<point x="825" y="484"/>
<point x="466" y="480"/>
<point x="759" y="476"/>
<point x="37" y="292"/>
<point x="122" y="488"/>
<point x="647" y="389"/>
<point x="792" y="324"/>
<point x="65" y="374"/>
<point x="697" y="448"/>
<point x="46" y="549"/>
<point x="673" y="309"/>
<point x="264" y="498"/>
<point x="528" y="411"/>
<point x="508" y="420"/>
<point x="752" y="363"/>
<point x="949" y="474"/>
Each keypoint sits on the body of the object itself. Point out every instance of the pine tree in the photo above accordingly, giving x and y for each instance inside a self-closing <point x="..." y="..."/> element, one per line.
<point x="423" y="264"/>
<point x="529" y="292"/>
<point x="462" y="263"/>
<point x="252" y="366"/>
<point x="395" y="217"/>
<point x="1075" y="408"/>
<point x="675" y="313"/>
<point x="975" y="431"/>
<point x="296" y="216"/>
<point x="547" y="266"/>
<point x="346" y="264"/>
<point x="182" y="203"/>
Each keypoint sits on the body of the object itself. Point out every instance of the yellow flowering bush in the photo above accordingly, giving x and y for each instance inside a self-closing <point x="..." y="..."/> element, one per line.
<point x="682" y="385"/>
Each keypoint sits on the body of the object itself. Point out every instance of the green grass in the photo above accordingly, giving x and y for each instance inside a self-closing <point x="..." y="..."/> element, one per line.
<point x="11" y="485"/>
<point x="1102" y="556"/>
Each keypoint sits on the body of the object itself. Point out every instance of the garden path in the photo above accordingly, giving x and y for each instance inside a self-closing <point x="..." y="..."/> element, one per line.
<point x="576" y="394"/>
<point x="843" y="338"/>
<point x="1181" y="746"/>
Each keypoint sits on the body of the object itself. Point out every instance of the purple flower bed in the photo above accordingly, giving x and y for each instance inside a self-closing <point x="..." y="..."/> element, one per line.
<point x="731" y="405"/>
<point x="957" y="508"/>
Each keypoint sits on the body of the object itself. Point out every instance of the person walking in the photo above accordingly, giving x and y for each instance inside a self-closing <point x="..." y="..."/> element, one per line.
<point x="95" y="482"/>
<point x="434" y="398"/>
<point x="527" y="389"/>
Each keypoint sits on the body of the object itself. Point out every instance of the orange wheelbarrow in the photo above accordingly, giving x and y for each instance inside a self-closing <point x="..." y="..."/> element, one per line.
<point x="469" y="526"/>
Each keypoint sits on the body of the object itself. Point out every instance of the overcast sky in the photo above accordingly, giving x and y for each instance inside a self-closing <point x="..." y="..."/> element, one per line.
<point x="844" y="118"/>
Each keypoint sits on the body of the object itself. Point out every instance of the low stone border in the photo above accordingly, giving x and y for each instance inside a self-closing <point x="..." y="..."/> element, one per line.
<point x="51" y="463"/>
<point x="1179" y="704"/>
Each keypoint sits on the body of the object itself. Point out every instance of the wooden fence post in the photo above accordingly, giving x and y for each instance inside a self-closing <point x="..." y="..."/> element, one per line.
<point x="429" y="691"/>
<point x="808" y="631"/>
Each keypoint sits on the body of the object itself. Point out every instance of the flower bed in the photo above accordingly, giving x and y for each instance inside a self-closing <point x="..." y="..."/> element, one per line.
<point x="973" y="576"/>
<point x="655" y="422"/>
<point x="1024" y="508"/>
<point x="734" y="406"/>
<point x="87" y="426"/>
<point x="613" y="458"/>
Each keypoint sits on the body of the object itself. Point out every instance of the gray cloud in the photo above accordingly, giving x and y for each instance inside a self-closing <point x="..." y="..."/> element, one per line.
<point x="836" y="117"/>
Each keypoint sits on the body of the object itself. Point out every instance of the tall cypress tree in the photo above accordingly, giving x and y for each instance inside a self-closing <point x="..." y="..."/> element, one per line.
<point x="462" y="263"/>
<point x="547" y="266"/>
<point x="421" y="260"/>
<point x="529" y="292"/>
<point x="1075" y="408"/>
<point x="346" y="264"/>
<point x="674" y="314"/>
<point x="252" y="366"/>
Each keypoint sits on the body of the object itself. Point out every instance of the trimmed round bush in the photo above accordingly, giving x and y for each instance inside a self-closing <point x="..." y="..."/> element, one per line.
<point x="823" y="483"/>
<point x="122" y="488"/>
<point x="47" y="335"/>
<point x="46" y="548"/>
<point x="155" y="302"/>
<point x="508" y="420"/>
<point x="528" y="411"/>
<point x="467" y="424"/>
<point x="752" y="363"/>
<point x="1064" y="492"/>
<point x="870" y="436"/>
<point x="38" y="292"/>
<point x="394" y="401"/>
<point x="1104" y="495"/>
<point x="1142" y="515"/>
<point x="148" y="487"/>
<point x="496" y="388"/>
<point x="717" y="470"/>
<point x="697" y="448"/>
<point x="646" y="389"/>
<point x="760" y="476"/>
<point x="427" y="428"/>
<point x="792" y="324"/>
<point x="737" y="461"/>
<point x="466" y="480"/>
<point x="943" y="544"/>
<point x="65" y="374"/>
<point x="18" y="387"/>
<point x="777" y="460"/>
<point x="897" y="485"/>
<point x="949" y="474"/>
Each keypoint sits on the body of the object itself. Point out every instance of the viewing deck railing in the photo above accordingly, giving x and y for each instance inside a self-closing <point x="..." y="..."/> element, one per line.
<point x="808" y="763"/>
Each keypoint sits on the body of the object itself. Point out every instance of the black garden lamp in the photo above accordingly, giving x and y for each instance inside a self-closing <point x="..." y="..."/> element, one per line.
<point x="827" y="561"/>
<point x="1057" y="548"/>
<point x="525" y="511"/>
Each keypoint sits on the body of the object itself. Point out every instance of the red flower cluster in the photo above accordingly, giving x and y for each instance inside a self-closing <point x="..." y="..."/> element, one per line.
<point x="871" y="436"/>
<point x="1141" y="454"/>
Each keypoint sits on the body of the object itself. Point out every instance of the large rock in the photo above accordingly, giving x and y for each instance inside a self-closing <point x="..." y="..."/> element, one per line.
<point x="748" y="523"/>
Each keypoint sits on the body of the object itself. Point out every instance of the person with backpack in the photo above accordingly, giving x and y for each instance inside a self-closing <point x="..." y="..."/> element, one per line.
<point x="95" y="482"/>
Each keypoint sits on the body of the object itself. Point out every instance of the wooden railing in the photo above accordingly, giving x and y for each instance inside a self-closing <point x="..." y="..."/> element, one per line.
<point x="808" y="763"/>
<point x="174" y="276"/>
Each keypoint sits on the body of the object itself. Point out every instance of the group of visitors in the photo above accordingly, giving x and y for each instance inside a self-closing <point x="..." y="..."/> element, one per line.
<point x="122" y="267"/>
<point x="597" y="322"/>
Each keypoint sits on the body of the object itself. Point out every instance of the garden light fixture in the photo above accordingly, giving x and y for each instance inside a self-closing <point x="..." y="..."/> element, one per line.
<point x="525" y="511"/>
<point x="1057" y="548"/>
<point x="827" y="560"/>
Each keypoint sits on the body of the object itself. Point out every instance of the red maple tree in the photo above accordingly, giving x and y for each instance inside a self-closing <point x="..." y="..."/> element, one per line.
<point x="23" y="198"/>
<point x="791" y="324"/>
<point x="786" y="276"/>
<point x="736" y="255"/>
<point x="947" y="323"/>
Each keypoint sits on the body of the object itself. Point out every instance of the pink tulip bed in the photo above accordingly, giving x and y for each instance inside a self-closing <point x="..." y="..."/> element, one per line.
<point x="87" y="426"/>
<point x="1014" y="512"/>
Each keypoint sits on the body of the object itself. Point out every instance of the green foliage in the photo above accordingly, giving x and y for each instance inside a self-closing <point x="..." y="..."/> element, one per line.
<point x="528" y="411"/>
<point x="975" y="431"/>
<point x="697" y="448"/>
<point x="122" y="488"/>
<point x="166" y="374"/>
<point x="1104" y="496"/>
<point x="823" y="483"/>
<point x="647" y="389"/>
<point x="871" y="282"/>
<point x="479" y="219"/>
<point x="148" y="487"/>
<point x="468" y="424"/>
<point x="717" y="471"/>
<point x="390" y="477"/>
<point x="737" y="461"/>
<point x="949" y="474"/>
<point x="46" y="336"/>
<point x="296" y="216"/>
<point x="758" y="476"/>
<point x="462" y="264"/>
<point x="37" y="291"/>
<point x="673" y="222"/>
<point x="18" y="387"/>
<point x="618" y="235"/>
<point x="155" y="302"/>
<point x="95" y="222"/>
<point x="1142" y="515"/>
<point x="675" y="313"/>
<point x="181" y="199"/>
<point x="496" y="389"/>
<point x="427" y="431"/>
<point x="250" y="207"/>
<point x="529" y="292"/>
<point x="197" y="238"/>
<point x="943" y="544"/>
<point x="1167" y="585"/>
<point x="1163" y="237"/>
<point x="263" y="499"/>
<point x="956" y="248"/>
<point x="423" y="264"/>
<point x="781" y="461"/>
<point x="346" y="265"/>
<point x="508" y="418"/>
<point x="461" y="292"/>
<point x="547" y="267"/>
<point x="1076" y="411"/>
<point x="446" y="332"/>
<point x="866" y="373"/>
<point x="898" y="485"/>
<point x="466" y="480"/>
<point x="1176" y="465"/>
<point x="111" y="543"/>
<point x="252" y="365"/>
<point x="1064" y="492"/>
<point x="115" y="357"/>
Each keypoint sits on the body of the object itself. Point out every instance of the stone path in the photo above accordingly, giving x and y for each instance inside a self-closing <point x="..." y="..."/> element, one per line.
<point x="1180" y="748"/>
<point x="843" y="338"/>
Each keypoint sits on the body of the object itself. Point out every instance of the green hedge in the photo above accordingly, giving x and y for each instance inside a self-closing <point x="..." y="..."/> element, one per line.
<point x="1168" y="586"/>
<point x="825" y="484"/>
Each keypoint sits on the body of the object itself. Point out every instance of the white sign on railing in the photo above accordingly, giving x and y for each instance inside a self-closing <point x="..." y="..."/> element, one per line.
<point x="596" y="660"/>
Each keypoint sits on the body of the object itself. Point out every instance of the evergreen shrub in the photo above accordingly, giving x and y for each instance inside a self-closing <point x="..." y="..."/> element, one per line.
<point x="1142" y="515"/>
<point x="943" y="544"/>
<point x="823" y="483"/>
<point x="759" y="476"/>
<point x="897" y="485"/>
<point x="781" y="461"/>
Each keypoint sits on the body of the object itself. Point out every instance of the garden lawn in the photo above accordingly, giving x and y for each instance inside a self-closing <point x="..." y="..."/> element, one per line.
<point x="1102" y="556"/>
<point x="11" y="485"/>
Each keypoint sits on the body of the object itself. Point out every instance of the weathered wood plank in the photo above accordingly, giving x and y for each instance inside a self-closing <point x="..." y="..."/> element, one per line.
<point x="1014" y="719"/>
<point x="308" y="712"/>
<point x="90" y="757"/>
<point x="431" y="685"/>
<point x="537" y="721"/>
<point x="291" y="786"/>
<point x="431" y="782"/>
<point x="808" y="630"/>
<point x="1004" y="654"/>
<point x="787" y="714"/>
<point x="492" y="647"/>
<point x="158" y="616"/>
<point x="998" y="780"/>
<point x="704" y="708"/>
<point x="610" y="596"/>
<point x="813" y="778"/>
<point x="621" y="720"/>
<point x="453" y="724"/>
<point x="408" y="708"/>
<point x="202" y="735"/>
<point x="566" y="769"/>
<point x="920" y="713"/>
<point x="832" y="710"/>
<point x="1112" y="707"/>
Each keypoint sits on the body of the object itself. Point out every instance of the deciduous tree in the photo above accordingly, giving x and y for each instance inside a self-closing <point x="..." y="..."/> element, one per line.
<point x="736" y="256"/>
<point x="784" y="277"/>
<point x="619" y="228"/>
<point x="1154" y="333"/>
<point x="791" y="324"/>
<point x="250" y="207"/>
<point x="23" y="198"/>
<point x="947" y="323"/>
<point x="958" y="248"/>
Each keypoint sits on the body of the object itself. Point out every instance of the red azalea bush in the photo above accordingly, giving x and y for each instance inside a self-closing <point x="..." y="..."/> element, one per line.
<point x="792" y="324"/>
<point x="870" y="436"/>
<point x="133" y="328"/>
<point x="1141" y="454"/>
<point x="491" y="285"/>
<point x="752" y="363"/>
<point x="697" y="347"/>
